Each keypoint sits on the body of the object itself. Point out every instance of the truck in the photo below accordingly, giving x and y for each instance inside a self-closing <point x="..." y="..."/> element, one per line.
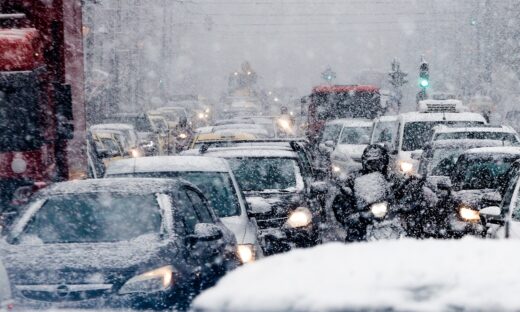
<point x="42" y="108"/>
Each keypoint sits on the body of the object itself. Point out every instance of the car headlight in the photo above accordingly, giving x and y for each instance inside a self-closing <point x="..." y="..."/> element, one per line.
<point x="379" y="210"/>
<point x="336" y="169"/>
<point x="182" y="136"/>
<point x="469" y="214"/>
<point x="246" y="252"/>
<point x="299" y="218"/>
<point x="152" y="281"/>
<point x="135" y="152"/>
<point x="284" y="124"/>
<point x="406" y="166"/>
<point x="201" y="115"/>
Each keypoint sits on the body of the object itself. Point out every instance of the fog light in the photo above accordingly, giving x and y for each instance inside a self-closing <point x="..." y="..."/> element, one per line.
<point x="300" y="217"/>
<point x="379" y="210"/>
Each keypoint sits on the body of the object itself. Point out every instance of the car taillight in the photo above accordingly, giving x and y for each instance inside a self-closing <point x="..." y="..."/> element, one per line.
<point x="10" y="307"/>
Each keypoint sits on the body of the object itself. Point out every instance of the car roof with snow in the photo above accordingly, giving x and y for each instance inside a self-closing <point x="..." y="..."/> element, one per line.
<point x="112" y="126"/>
<point x="351" y="122"/>
<point x="417" y="116"/>
<point x="113" y="185"/>
<point x="480" y="128"/>
<point x="167" y="163"/>
<point x="511" y="150"/>
<point x="387" y="118"/>
<point x="264" y="151"/>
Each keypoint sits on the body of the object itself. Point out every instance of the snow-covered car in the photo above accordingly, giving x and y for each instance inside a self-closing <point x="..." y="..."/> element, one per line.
<point x="173" y="114"/>
<point x="400" y="275"/>
<point x="215" y="178"/>
<point x="150" y="141"/>
<point x="352" y="141"/>
<point x="6" y="301"/>
<point x="145" y="243"/>
<point x="505" y="134"/>
<point x="477" y="180"/>
<point x="127" y="138"/>
<point x="412" y="131"/>
<point x="281" y="191"/>
<point x="439" y="158"/>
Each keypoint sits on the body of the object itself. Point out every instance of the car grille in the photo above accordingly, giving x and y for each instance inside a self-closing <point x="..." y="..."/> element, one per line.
<point x="270" y="222"/>
<point x="57" y="293"/>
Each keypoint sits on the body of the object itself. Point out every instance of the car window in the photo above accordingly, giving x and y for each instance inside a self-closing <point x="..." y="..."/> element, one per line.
<point x="481" y="172"/>
<point x="385" y="132"/>
<point x="200" y="206"/>
<point x="331" y="133"/>
<point x="265" y="174"/>
<point x="355" y="135"/>
<point x="217" y="186"/>
<point x="416" y="134"/>
<point x="187" y="213"/>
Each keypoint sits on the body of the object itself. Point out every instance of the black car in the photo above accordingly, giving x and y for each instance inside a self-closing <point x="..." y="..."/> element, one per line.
<point x="282" y="192"/>
<point x="139" y="243"/>
<point x="478" y="180"/>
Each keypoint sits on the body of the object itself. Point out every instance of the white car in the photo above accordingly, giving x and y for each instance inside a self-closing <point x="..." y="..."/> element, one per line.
<point x="352" y="141"/>
<point x="215" y="178"/>
<point x="412" y="131"/>
<point x="505" y="134"/>
<point x="6" y="302"/>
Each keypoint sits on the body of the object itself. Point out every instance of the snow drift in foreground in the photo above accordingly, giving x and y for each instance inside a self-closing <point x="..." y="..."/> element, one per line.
<point x="403" y="275"/>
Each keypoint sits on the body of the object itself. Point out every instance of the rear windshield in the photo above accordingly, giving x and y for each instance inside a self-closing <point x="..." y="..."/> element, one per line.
<point x="416" y="134"/>
<point x="500" y="136"/>
<point x="94" y="217"/>
<point x="217" y="186"/>
<point x="265" y="174"/>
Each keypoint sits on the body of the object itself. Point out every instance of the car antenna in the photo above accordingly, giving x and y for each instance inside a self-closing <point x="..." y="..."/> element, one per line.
<point x="203" y="148"/>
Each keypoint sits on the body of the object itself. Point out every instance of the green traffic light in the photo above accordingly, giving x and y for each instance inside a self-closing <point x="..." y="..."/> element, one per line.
<point x="424" y="83"/>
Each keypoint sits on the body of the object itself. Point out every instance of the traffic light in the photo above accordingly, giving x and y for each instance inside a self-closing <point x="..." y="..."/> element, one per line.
<point x="424" y="75"/>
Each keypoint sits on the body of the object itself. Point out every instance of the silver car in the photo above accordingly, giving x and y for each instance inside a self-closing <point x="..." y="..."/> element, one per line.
<point x="215" y="178"/>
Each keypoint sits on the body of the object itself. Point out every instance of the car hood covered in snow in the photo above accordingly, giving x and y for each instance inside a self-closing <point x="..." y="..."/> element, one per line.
<point x="405" y="275"/>
<point x="49" y="263"/>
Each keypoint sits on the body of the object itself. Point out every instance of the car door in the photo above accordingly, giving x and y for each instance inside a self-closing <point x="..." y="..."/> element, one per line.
<point x="211" y="253"/>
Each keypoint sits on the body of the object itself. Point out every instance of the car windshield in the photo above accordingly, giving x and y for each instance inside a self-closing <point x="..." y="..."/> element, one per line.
<point x="418" y="133"/>
<point x="331" y="132"/>
<point x="265" y="174"/>
<point x="217" y="186"/>
<point x="500" y="136"/>
<point x="355" y="135"/>
<point x="482" y="172"/>
<point x="94" y="217"/>
<point x="443" y="160"/>
<point x="385" y="131"/>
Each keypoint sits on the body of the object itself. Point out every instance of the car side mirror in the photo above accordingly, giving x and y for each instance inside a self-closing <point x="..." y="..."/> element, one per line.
<point x="206" y="232"/>
<point x="319" y="187"/>
<point x="329" y="143"/>
<point x="492" y="215"/>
